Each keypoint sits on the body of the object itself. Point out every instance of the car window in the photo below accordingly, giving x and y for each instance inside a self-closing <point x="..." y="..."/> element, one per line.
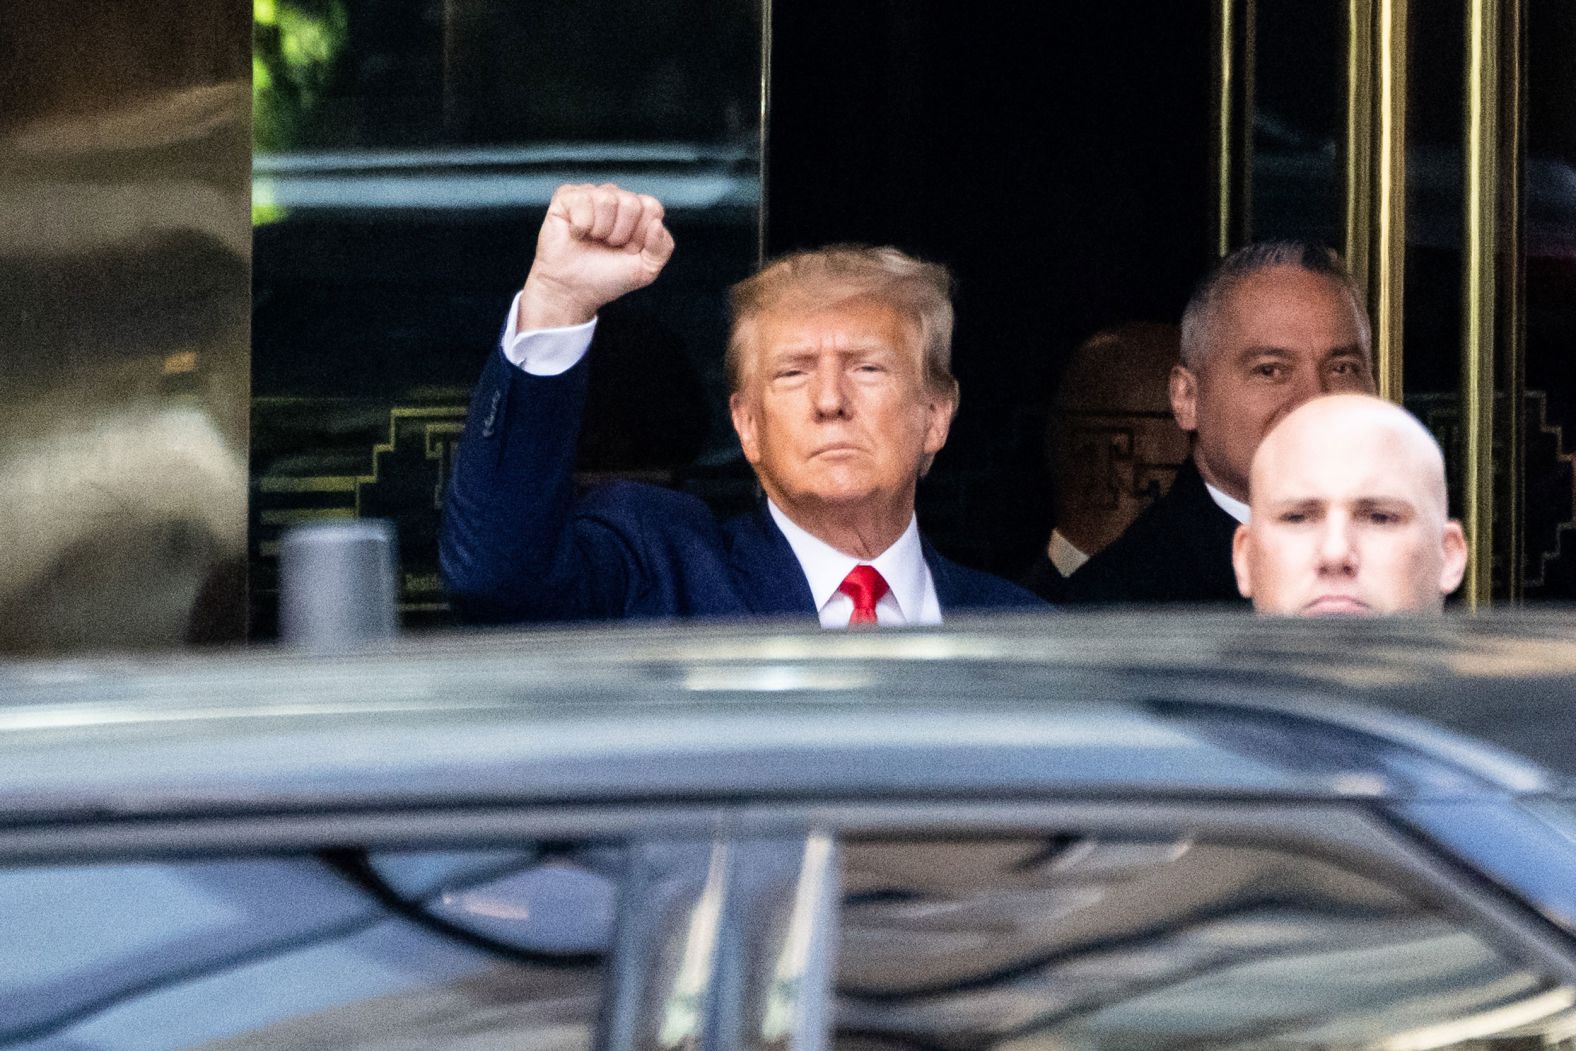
<point x="1561" y="813"/>
<point x="340" y="949"/>
<point x="1050" y="941"/>
<point x="1078" y="942"/>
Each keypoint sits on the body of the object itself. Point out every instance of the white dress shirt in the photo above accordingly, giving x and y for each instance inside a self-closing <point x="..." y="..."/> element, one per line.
<point x="1229" y="504"/>
<point x="911" y="598"/>
<point x="911" y="595"/>
<point x="1065" y="555"/>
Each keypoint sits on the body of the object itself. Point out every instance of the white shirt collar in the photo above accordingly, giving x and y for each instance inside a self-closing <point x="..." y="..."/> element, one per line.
<point x="912" y="596"/>
<point x="1064" y="554"/>
<point x="1229" y="504"/>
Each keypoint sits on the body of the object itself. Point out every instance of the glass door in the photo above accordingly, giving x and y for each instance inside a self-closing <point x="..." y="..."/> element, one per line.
<point x="1437" y="148"/>
<point x="404" y="155"/>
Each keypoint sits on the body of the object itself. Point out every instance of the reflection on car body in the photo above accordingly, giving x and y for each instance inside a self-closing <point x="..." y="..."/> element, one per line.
<point x="1105" y="832"/>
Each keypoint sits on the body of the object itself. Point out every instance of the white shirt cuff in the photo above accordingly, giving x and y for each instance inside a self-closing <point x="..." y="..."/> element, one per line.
<point x="545" y="351"/>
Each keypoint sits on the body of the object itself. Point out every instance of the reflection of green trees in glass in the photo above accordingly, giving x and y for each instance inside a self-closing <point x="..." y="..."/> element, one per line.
<point x="298" y="48"/>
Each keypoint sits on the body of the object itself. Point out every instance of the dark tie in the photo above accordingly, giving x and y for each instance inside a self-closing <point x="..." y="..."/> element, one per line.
<point x="865" y="586"/>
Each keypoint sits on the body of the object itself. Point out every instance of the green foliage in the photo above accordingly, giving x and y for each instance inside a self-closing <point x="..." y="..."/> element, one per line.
<point x="298" y="49"/>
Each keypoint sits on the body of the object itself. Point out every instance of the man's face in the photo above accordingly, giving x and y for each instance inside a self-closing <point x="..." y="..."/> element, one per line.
<point x="833" y="412"/>
<point x="1348" y="518"/>
<point x="1280" y="336"/>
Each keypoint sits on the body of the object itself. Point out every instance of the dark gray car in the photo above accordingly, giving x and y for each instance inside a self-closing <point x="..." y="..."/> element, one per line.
<point x="1078" y="832"/>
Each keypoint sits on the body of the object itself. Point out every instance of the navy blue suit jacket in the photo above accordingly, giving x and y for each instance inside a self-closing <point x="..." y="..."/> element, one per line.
<point x="518" y="546"/>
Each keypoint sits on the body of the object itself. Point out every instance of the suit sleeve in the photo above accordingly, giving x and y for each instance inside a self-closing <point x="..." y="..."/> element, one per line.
<point x="512" y="547"/>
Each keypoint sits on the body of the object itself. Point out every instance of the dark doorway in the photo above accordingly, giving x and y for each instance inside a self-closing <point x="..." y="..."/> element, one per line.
<point x="1055" y="156"/>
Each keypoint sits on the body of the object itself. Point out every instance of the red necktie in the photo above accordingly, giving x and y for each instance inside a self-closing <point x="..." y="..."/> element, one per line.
<point x="865" y="586"/>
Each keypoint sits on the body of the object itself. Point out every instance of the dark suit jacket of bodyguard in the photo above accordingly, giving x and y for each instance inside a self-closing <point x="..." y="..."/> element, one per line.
<point x="518" y="546"/>
<point x="1178" y="550"/>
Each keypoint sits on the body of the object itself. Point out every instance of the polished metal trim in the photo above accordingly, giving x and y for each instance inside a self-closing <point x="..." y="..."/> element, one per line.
<point x="1221" y="130"/>
<point x="1358" y="211"/>
<point x="1388" y="254"/>
<point x="1480" y="202"/>
<point x="1234" y="24"/>
<point x="763" y="212"/>
<point x="1375" y="197"/>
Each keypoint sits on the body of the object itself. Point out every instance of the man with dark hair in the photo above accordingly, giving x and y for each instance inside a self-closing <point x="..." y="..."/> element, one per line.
<point x="842" y="393"/>
<point x="1273" y="325"/>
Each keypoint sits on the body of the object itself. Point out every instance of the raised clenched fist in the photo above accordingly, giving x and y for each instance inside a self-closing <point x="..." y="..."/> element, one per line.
<point x="596" y="244"/>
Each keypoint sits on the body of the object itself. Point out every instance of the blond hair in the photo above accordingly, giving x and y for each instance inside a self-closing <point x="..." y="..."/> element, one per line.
<point x="920" y="291"/>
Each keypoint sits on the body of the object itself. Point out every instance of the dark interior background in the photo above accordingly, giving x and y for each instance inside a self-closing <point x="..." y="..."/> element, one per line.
<point x="1055" y="156"/>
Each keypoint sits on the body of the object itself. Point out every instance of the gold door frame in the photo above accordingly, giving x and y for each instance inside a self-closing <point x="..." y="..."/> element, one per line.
<point x="1235" y="30"/>
<point x="1492" y="354"/>
<point x="1492" y="296"/>
<point x="1375" y="192"/>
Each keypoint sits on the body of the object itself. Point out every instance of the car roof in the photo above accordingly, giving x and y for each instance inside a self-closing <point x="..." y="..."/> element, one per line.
<point x="1136" y="703"/>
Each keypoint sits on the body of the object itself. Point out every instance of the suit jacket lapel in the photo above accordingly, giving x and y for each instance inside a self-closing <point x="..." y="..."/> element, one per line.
<point x="764" y="568"/>
<point x="946" y="581"/>
<point x="1208" y="531"/>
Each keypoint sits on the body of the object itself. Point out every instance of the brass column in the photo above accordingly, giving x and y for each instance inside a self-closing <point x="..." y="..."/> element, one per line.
<point x="1479" y="193"/>
<point x="1233" y="124"/>
<point x="1376" y="172"/>
<point x="1490" y="287"/>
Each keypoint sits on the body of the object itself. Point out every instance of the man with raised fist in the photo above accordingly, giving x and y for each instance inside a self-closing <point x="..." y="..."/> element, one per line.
<point x="839" y="364"/>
